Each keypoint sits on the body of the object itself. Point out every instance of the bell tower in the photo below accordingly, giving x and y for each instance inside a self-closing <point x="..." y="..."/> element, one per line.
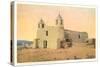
<point x="59" y="21"/>
<point x="41" y="24"/>
<point x="60" y="30"/>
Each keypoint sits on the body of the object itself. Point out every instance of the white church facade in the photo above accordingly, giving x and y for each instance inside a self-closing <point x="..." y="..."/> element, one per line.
<point x="55" y="36"/>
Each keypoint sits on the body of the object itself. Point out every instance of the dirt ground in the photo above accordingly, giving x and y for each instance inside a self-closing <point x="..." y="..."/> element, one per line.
<point x="78" y="51"/>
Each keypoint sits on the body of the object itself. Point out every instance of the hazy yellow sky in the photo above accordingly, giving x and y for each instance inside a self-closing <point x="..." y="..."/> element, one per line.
<point x="75" y="18"/>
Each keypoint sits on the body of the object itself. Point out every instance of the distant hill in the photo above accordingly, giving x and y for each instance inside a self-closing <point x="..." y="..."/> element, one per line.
<point x="23" y="42"/>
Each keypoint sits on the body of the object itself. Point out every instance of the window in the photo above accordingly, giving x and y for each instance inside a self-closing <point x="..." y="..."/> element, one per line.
<point x="37" y="43"/>
<point x="38" y="25"/>
<point x="42" y="25"/>
<point x="46" y="33"/>
<point x="45" y="44"/>
<point x="79" y="36"/>
<point x="61" y="22"/>
<point x="56" y="22"/>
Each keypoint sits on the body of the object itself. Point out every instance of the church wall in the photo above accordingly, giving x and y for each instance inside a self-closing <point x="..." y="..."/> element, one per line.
<point x="52" y="37"/>
<point x="76" y="36"/>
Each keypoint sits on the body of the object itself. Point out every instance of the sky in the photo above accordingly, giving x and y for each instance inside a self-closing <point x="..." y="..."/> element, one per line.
<point x="75" y="18"/>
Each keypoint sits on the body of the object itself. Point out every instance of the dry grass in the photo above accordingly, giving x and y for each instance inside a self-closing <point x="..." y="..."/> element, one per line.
<point x="76" y="52"/>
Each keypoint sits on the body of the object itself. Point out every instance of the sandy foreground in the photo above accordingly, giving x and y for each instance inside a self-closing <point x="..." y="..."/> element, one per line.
<point x="78" y="51"/>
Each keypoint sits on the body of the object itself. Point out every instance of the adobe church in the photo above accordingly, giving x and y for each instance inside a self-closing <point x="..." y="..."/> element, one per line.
<point x="55" y="36"/>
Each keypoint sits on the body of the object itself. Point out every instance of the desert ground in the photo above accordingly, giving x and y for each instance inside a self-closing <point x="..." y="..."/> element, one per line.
<point x="77" y="51"/>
